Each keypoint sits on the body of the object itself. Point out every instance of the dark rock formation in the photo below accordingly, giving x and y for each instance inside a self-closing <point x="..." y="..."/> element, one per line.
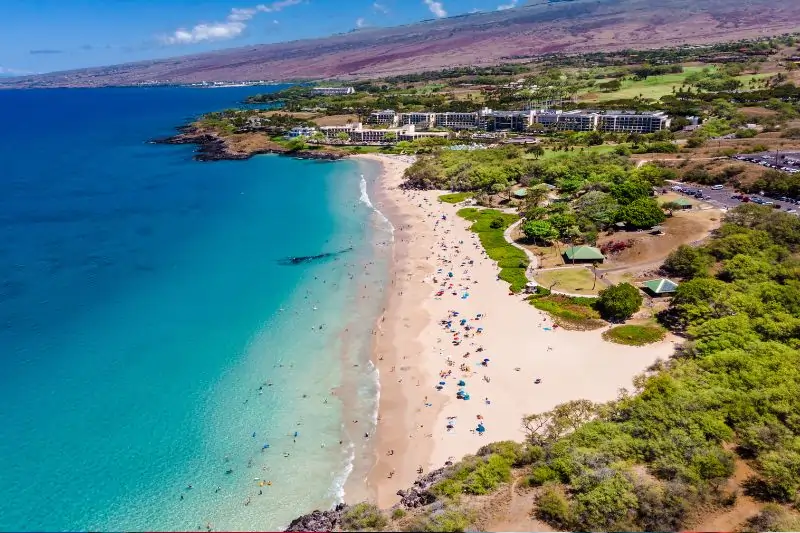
<point x="319" y="520"/>
<point x="419" y="495"/>
<point x="211" y="147"/>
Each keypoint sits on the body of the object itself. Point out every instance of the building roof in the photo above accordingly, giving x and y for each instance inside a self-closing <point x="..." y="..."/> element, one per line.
<point x="660" y="286"/>
<point x="521" y="193"/>
<point x="583" y="253"/>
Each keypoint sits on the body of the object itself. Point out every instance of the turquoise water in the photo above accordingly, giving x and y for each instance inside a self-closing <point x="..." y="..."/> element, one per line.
<point x="142" y="306"/>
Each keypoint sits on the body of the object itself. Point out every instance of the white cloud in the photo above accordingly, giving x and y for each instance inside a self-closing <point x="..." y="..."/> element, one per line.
<point x="380" y="7"/>
<point x="509" y="5"/>
<point x="436" y="8"/>
<point x="233" y="26"/>
<point x="360" y="23"/>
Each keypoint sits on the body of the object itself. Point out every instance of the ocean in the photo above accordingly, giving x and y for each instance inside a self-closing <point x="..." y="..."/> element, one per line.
<point x="160" y="367"/>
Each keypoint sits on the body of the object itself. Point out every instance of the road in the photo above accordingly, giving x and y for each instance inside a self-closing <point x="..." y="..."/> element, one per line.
<point x="722" y="197"/>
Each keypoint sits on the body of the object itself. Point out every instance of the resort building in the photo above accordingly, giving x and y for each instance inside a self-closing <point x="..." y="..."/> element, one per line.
<point x="577" y="121"/>
<point x="386" y="117"/>
<point x="420" y="120"/>
<point x="357" y="133"/>
<point x="457" y="121"/>
<point x="632" y="122"/>
<point x="301" y="132"/>
<point x="330" y="91"/>
<point x="506" y="120"/>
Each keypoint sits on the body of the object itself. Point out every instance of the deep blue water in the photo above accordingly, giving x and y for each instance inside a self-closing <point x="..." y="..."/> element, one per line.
<point x="140" y="312"/>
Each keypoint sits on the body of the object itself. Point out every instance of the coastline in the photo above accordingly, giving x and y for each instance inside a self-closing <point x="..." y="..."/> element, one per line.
<point x="213" y="147"/>
<point x="411" y="348"/>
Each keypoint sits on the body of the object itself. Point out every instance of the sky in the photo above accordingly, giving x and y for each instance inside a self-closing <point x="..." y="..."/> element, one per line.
<point x="38" y="36"/>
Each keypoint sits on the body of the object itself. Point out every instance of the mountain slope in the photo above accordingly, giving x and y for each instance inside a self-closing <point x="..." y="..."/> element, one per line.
<point x="566" y="26"/>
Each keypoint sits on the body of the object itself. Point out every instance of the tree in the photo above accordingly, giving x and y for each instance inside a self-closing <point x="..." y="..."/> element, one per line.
<point x="686" y="262"/>
<point x="642" y="213"/>
<point x="545" y="428"/>
<point x="597" y="206"/>
<point x="540" y="230"/>
<point x="619" y="302"/>
<point x="671" y="207"/>
<point x="343" y="136"/>
<point x="630" y="190"/>
<point x="536" y="151"/>
<point x="298" y="143"/>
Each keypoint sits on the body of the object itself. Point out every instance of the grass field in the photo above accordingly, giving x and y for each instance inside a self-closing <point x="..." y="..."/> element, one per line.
<point x="578" y="280"/>
<point x="654" y="87"/>
<point x="455" y="197"/>
<point x="490" y="224"/>
<point x="634" y="335"/>
<point x="552" y="154"/>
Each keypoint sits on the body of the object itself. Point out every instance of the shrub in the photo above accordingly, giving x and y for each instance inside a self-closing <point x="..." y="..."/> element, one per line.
<point x="364" y="517"/>
<point x="686" y="262"/>
<point x="542" y="474"/>
<point x="634" y="335"/>
<point x="773" y="518"/>
<point x="552" y="506"/>
<point x="398" y="513"/>
<point x="619" y="302"/>
<point x="448" y="520"/>
<point x="455" y="197"/>
<point x="663" y="506"/>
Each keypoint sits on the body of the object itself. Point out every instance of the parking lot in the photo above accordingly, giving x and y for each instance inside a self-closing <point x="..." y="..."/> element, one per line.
<point x="785" y="161"/>
<point x="726" y="197"/>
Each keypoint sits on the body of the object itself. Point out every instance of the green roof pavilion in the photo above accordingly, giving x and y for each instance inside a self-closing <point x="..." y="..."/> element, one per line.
<point x="683" y="202"/>
<point x="583" y="253"/>
<point x="521" y="193"/>
<point x="660" y="286"/>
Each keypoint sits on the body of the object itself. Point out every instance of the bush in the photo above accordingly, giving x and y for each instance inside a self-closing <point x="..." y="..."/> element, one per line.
<point x="542" y="474"/>
<point x="773" y="518"/>
<point x="552" y="506"/>
<point x="455" y="198"/>
<point x="634" y="335"/>
<point x="448" y="520"/>
<point x="474" y="475"/>
<point x="364" y="517"/>
<point x="398" y="513"/>
<point x="619" y="302"/>
<point x="569" y="312"/>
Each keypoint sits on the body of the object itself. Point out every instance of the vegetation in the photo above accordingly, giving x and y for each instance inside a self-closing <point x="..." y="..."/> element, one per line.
<point x="619" y="302"/>
<point x="633" y="335"/>
<point x="455" y="198"/>
<point x="364" y="517"/>
<point x="490" y="224"/>
<point x="568" y="311"/>
<point x="474" y="475"/>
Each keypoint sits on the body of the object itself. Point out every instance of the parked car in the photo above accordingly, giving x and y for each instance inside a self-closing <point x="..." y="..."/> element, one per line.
<point x="717" y="187"/>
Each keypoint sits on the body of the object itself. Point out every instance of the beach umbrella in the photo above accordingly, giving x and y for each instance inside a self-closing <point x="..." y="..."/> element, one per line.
<point x="461" y="383"/>
<point x="442" y="383"/>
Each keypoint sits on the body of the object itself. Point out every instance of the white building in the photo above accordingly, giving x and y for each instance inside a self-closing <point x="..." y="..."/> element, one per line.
<point x="329" y="91"/>
<point x="457" y="121"/>
<point x="301" y="132"/>
<point x="420" y="120"/>
<point x="632" y="122"/>
<point x="387" y="116"/>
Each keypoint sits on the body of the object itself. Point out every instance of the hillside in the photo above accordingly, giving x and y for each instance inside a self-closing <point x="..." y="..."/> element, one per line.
<point x="481" y="38"/>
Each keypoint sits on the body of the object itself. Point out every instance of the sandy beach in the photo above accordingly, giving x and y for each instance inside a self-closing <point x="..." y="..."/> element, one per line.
<point x="421" y="426"/>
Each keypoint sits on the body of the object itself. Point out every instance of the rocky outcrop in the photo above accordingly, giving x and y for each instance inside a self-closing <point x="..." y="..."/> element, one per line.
<point x="419" y="495"/>
<point x="319" y="520"/>
<point x="212" y="147"/>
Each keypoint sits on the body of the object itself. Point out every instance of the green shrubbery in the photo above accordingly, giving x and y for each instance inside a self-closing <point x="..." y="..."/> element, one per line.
<point x="455" y="198"/>
<point x="619" y="302"/>
<point x="364" y="517"/>
<point x="569" y="311"/>
<point x="634" y="335"/>
<point x="490" y="224"/>
<point x="475" y="475"/>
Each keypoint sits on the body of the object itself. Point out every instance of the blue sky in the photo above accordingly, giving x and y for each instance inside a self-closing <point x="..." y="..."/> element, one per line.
<point x="47" y="35"/>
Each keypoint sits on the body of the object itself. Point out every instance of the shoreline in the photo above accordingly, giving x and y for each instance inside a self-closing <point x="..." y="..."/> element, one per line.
<point x="213" y="147"/>
<point x="426" y="427"/>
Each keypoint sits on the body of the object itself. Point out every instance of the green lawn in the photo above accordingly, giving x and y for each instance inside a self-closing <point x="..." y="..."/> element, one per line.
<point x="512" y="261"/>
<point x="654" y="87"/>
<point x="455" y="197"/>
<point x="552" y="154"/>
<point x="578" y="280"/>
<point x="634" y="335"/>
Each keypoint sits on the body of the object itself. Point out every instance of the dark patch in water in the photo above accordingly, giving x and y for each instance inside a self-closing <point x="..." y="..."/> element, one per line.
<point x="304" y="259"/>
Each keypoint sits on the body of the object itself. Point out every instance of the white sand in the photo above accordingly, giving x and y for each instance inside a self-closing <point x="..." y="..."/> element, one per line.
<point x="571" y="365"/>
